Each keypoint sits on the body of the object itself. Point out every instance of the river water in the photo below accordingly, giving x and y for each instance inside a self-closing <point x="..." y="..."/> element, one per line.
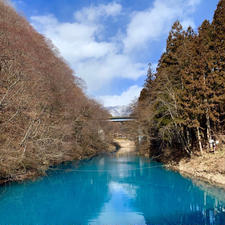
<point x="110" y="190"/>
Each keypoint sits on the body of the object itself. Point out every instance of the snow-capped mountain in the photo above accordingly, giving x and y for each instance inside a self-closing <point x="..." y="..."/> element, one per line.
<point x="119" y="110"/>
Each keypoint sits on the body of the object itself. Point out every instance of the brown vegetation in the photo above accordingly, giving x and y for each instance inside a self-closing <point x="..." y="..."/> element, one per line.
<point x="207" y="167"/>
<point x="45" y="117"/>
<point x="181" y="107"/>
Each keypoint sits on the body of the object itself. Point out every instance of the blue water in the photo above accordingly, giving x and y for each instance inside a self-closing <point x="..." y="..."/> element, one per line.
<point x="111" y="191"/>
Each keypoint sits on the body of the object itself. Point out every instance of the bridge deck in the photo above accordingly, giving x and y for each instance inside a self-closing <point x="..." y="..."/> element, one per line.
<point x="121" y="119"/>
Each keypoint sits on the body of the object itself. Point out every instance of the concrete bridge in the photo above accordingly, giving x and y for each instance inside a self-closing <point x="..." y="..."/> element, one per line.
<point x="121" y="119"/>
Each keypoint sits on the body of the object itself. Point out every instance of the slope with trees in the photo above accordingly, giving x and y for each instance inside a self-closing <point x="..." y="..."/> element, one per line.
<point x="181" y="107"/>
<point x="45" y="117"/>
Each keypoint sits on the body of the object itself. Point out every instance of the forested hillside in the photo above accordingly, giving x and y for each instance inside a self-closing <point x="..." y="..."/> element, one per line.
<point x="182" y="104"/>
<point x="45" y="117"/>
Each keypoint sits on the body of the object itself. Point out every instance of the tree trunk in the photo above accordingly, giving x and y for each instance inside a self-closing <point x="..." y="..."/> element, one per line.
<point x="199" y="140"/>
<point x="208" y="130"/>
<point x="188" y="138"/>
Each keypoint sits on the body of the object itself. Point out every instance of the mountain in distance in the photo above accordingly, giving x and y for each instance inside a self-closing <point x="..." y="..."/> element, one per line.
<point x="120" y="110"/>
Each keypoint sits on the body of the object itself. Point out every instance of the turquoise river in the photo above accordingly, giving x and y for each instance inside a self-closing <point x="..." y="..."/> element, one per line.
<point x="111" y="190"/>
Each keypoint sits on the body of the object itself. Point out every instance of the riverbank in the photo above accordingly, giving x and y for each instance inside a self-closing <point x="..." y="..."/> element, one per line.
<point x="34" y="174"/>
<point x="118" y="146"/>
<point x="209" y="167"/>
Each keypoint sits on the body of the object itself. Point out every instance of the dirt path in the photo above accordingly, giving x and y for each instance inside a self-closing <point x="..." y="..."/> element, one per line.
<point x="126" y="146"/>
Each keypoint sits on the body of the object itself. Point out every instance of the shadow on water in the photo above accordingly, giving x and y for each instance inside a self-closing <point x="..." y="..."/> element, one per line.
<point x="111" y="190"/>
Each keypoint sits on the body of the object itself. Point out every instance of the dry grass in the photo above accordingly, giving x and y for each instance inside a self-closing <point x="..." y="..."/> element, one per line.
<point x="209" y="167"/>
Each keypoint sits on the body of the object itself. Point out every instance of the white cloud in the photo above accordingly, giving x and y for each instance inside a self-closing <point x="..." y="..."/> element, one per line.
<point x="126" y="97"/>
<point x="193" y="3"/>
<point x="188" y="22"/>
<point x="99" y="62"/>
<point x="93" y="13"/>
<point x="75" y="41"/>
<point x="100" y="73"/>
<point x="151" y="24"/>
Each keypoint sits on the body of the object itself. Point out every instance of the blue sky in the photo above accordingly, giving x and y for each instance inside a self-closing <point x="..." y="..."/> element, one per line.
<point x="110" y="43"/>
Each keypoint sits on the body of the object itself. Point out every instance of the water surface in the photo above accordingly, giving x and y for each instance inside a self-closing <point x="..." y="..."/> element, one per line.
<point x="110" y="190"/>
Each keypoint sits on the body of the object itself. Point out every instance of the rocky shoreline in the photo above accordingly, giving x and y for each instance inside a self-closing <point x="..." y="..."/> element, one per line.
<point x="209" y="168"/>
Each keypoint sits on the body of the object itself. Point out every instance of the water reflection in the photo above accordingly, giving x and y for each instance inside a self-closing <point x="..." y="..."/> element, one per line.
<point x="112" y="190"/>
<point x="60" y="198"/>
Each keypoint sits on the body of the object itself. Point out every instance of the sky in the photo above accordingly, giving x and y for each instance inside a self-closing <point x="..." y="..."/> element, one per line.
<point x="109" y="44"/>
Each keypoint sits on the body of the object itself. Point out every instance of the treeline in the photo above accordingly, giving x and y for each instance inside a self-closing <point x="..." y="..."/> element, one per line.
<point x="45" y="117"/>
<point x="182" y="104"/>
